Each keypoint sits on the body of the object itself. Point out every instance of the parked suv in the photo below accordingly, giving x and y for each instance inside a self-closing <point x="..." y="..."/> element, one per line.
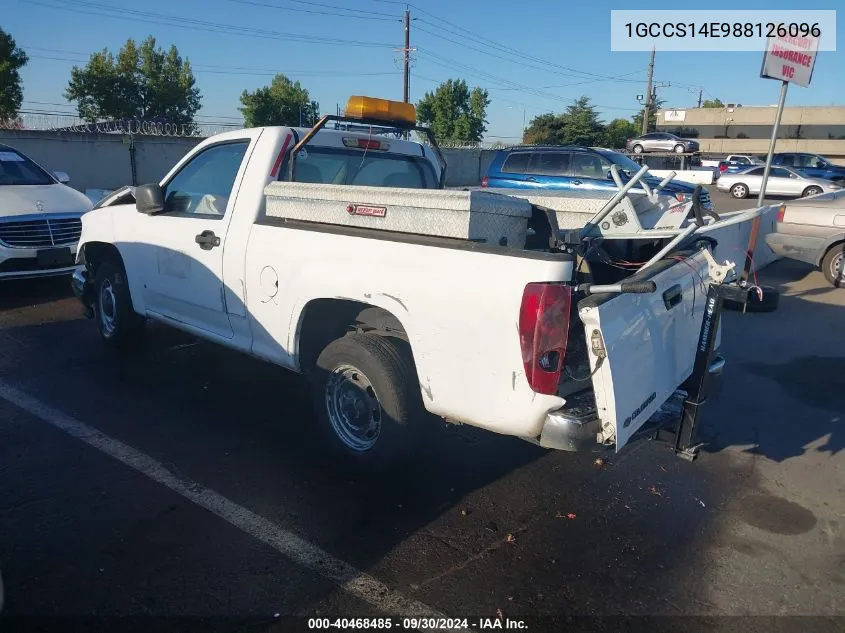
<point x="572" y="167"/>
<point x="811" y="165"/>
<point x="661" y="142"/>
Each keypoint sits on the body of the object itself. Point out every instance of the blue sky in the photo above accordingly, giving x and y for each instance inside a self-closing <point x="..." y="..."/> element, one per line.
<point x="354" y="53"/>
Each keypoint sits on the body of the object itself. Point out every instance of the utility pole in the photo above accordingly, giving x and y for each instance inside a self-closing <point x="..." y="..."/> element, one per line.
<point x="647" y="108"/>
<point x="406" y="84"/>
<point x="699" y="97"/>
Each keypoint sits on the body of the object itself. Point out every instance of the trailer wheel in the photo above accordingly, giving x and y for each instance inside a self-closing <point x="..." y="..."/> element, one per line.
<point x="769" y="303"/>
<point x="367" y="398"/>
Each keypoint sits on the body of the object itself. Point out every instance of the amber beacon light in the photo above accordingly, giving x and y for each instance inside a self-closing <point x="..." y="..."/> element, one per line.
<point x="395" y="113"/>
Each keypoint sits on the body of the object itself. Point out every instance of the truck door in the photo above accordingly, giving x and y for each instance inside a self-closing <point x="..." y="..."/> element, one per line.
<point x="180" y="251"/>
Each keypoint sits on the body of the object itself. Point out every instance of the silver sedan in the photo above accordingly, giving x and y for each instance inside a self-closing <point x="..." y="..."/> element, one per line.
<point x="812" y="230"/>
<point x="782" y="182"/>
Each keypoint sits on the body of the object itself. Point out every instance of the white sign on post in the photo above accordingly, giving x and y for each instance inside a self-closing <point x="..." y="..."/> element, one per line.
<point x="790" y="59"/>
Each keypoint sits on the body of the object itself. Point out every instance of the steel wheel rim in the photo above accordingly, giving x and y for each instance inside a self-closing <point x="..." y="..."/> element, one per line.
<point x="837" y="268"/>
<point x="353" y="408"/>
<point x="739" y="191"/>
<point x="108" y="307"/>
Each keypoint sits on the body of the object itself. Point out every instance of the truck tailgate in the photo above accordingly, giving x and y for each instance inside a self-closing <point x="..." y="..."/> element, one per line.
<point x="649" y="341"/>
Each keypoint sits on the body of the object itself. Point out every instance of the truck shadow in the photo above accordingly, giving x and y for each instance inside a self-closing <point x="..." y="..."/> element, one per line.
<point x="471" y="523"/>
<point x="793" y="382"/>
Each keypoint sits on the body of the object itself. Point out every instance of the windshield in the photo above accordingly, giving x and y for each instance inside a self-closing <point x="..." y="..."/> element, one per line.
<point x="334" y="166"/>
<point x="17" y="169"/>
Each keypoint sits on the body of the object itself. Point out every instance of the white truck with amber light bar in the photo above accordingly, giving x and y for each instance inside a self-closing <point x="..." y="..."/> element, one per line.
<point x="339" y="255"/>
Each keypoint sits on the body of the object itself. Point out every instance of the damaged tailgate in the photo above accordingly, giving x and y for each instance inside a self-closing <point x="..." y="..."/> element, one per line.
<point x="642" y="347"/>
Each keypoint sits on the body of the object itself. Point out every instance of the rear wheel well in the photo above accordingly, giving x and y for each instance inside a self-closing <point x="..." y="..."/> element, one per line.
<point x="325" y="320"/>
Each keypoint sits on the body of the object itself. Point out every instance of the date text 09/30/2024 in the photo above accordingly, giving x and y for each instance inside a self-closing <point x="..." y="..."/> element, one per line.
<point x="417" y="624"/>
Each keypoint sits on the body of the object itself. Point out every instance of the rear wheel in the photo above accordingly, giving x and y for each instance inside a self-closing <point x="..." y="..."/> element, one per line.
<point x="638" y="149"/>
<point x="812" y="190"/>
<point x="833" y="265"/>
<point x="367" y="398"/>
<point x="118" y="323"/>
<point x="739" y="190"/>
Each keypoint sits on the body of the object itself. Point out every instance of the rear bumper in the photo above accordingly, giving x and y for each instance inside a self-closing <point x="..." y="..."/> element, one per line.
<point x="804" y="249"/>
<point x="81" y="286"/>
<point x="577" y="427"/>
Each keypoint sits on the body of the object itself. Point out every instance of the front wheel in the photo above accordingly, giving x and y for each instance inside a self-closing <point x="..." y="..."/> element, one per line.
<point x="367" y="398"/>
<point x="833" y="265"/>
<point x="118" y="323"/>
<point x="739" y="190"/>
<point x="679" y="149"/>
<point x="812" y="190"/>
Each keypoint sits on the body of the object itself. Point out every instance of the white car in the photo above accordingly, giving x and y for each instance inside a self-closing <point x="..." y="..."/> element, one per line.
<point x="40" y="219"/>
<point x="782" y="182"/>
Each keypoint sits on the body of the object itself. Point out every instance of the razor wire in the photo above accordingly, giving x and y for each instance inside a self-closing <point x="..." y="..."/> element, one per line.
<point x="133" y="127"/>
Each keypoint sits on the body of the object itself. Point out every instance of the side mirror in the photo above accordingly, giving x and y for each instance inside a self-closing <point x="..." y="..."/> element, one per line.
<point x="62" y="177"/>
<point x="149" y="199"/>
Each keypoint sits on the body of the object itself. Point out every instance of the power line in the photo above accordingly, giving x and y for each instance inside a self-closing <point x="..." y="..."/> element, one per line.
<point x="547" y="66"/>
<point x="91" y="8"/>
<point x="318" y="12"/>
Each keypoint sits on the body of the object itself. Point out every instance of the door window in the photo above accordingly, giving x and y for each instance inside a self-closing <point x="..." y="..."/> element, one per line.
<point x="808" y="160"/>
<point x="757" y="171"/>
<point x="779" y="173"/>
<point x="203" y="186"/>
<point x="516" y="163"/>
<point x="589" y="166"/>
<point x="550" y="164"/>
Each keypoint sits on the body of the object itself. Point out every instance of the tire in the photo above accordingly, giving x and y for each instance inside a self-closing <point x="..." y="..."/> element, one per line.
<point x="739" y="190"/>
<point x="812" y="190"/>
<point x="770" y="302"/>
<point x="679" y="149"/>
<point x="118" y="323"/>
<point x="367" y="379"/>
<point x="638" y="149"/>
<point x="833" y="265"/>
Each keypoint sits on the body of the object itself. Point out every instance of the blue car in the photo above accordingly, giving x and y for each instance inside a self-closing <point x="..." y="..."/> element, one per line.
<point x="572" y="167"/>
<point x="811" y="166"/>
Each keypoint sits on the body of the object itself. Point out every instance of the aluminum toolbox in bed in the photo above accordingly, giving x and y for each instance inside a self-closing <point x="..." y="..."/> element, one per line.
<point x="474" y="215"/>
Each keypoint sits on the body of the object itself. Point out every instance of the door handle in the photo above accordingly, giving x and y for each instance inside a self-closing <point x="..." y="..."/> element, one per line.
<point x="672" y="296"/>
<point x="207" y="240"/>
<point x="576" y="182"/>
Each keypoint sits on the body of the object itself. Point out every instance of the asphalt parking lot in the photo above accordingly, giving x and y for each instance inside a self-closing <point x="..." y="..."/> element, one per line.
<point x="185" y="482"/>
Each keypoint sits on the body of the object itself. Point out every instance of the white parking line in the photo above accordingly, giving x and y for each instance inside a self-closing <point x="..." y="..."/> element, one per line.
<point x="283" y="541"/>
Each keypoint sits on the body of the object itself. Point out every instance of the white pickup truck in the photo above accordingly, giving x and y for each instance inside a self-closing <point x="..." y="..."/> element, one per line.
<point x="356" y="276"/>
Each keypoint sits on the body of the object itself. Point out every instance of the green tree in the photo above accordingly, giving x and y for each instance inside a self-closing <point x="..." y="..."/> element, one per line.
<point x="12" y="59"/>
<point x="578" y="125"/>
<point x="141" y="82"/>
<point x="617" y="132"/>
<point x="713" y="103"/>
<point x="656" y="105"/>
<point x="283" y="102"/>
<point x="454" y="112"/>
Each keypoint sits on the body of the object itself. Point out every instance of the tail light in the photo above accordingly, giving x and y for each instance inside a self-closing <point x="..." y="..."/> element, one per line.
<point x="485" y="182"/>
<point x="781" y="213"/>
<point x="543" y="333"/>
<point x="365" y="143"/>
<point x="723" y="167"/>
